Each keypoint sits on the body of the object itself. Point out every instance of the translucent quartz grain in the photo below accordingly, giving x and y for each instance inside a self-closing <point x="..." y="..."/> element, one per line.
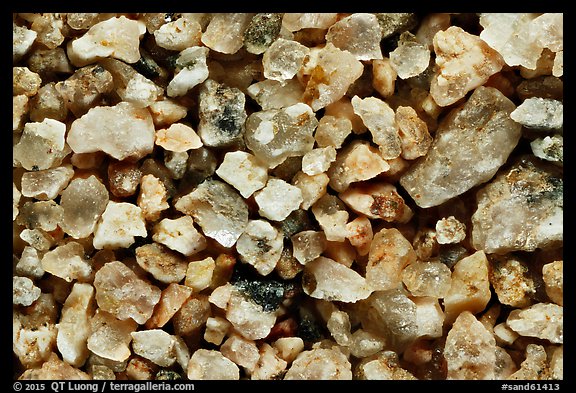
<point x="163" y="264"/>
<point x="29" y="264"/>
<point x="122" y="293"/>
<point x="540" y="114"/>
<point x="222" y="114"/>
<point x="535" y="194"/>
<point x="115" y="37"/>
<point x="283" y="59"/>
<point x="218" y="209"/>
<point x="359" y="34"/>
<point x="379" y="117"/>
<point x="260" y="246"/>
<point x="541" y="320"/>
<point x="41" y="146"/>
<point x="110" y="337"/>
<point x="470" y="287"/>
<point x="276" y="134"/>
<point x="74" y="325"/>
<point x="356" y="162"/>
<point x="471" y="143"/>
<point x="318" y="160"/>
<point x="330" y="76"/>
<point x="332" y="131"/>
<point x="208" y="364"/>
<point x="308" y="245"/>
<point x="68" y="262"/>
<point x="410" y="58"/>
<point x="278" y="199"/>
<point x="294" y="21"/>
<point x="272" y="94"/>
<point x="48" y="26"/>
<point x="320" y="364"/>
<point x="431" y="279"/>
<point x="191" y="70"/>
<point x="122" y="131"/>
<point x="464" y="62"/>
<point x="118" y="226"/>
<point x="470" y="349"/>
<point x="243" y="171"/>
<point x="180" y="235"/>
<point x="22" y="40"/>
<point x="332" y="216"/>
<point x="225" y="32"/>
<point x="320" y="274"/>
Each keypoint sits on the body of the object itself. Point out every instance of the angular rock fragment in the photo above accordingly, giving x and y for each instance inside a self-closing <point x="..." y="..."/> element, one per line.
<point x="275" y="135"/>
<point x="29" y="264"/>
<point x="110" y="337"/>
<point x="308" y="245"/>
<point x="45" y="215"/>
<point x="225" y="32"/>
<point x="549" y="148"/>
<point x="379" y="117"/>
<point x="360" y="234"/>
<point x="117" y="37"/>
<point x="450" y="230"/>
<point x="180" y="235"/>
<point x="410" y="58"/>
<point x="20" y="109"/>
<point x="470" y="350"/>
<point x="121" y="131"/>
<point x="199" y="274"/>
<point x="41" y="146"/>
<point x="192" y="316"/>
<point x="54" y="369"/>
<point x="429" y="317"/>
<point x="263" y="30"/>
<point x="377" y="201"/>
<point x="171" y="300"/>
<point x="270" y="365"/>
<point x="318" y="160"/>
<point x="553" y="275"/>
<point x="211" y="365"/>
<point x="278" y="199"/>
<point x="155" y="345"/>
<point x="248" y="318"/>
<point x="216" y="329"/>
<point x="68" y="262"/>
<point x="25" y="81"/>
<point x="321" y="274"/>
<point x="330" y="75"/>
<point x="272" y="94"/>
<point x="541" y="320"/>
<point x="390" y="252"/>
<point x="191" y="70"/>
<point x="152" y="197"/>
<point x="312" y="187"/>
<point x="414" y="136"/>
<point x="163" y="264"/>
<point x="218" y="209"/>
<point x="540" y="114"/>
<point x="283" y="59"/>
<point x="511" y="280"/>
<point x="356" y="162"/>
<point x="222" y="114"/>
<point x="178" y="138"/>
<point x="179" y="34"/>
<point x="118" y="225"/>
<point x="464" y="62"/>
<point x="359" y="34"/>
<point x="74" y="325"/>
<point x="24" y="292"/>
<point x="22" y="40"/>
<point x="260" y="246"/>
<point x="470" y="145"/>
<point x="320" y="364"/>
<point x="332" y="216"/>
<point x="122" y="293"/>
<point x="242" y="351"/>
<point x="332" y="131"/>
<point x="384" y="366"/>
<point x="46" y="184"/>
<point x="470" y="287"/>
<point x="243" y="171"/>
<point x="535" y="366"/>
<point x="535" y="194"/>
